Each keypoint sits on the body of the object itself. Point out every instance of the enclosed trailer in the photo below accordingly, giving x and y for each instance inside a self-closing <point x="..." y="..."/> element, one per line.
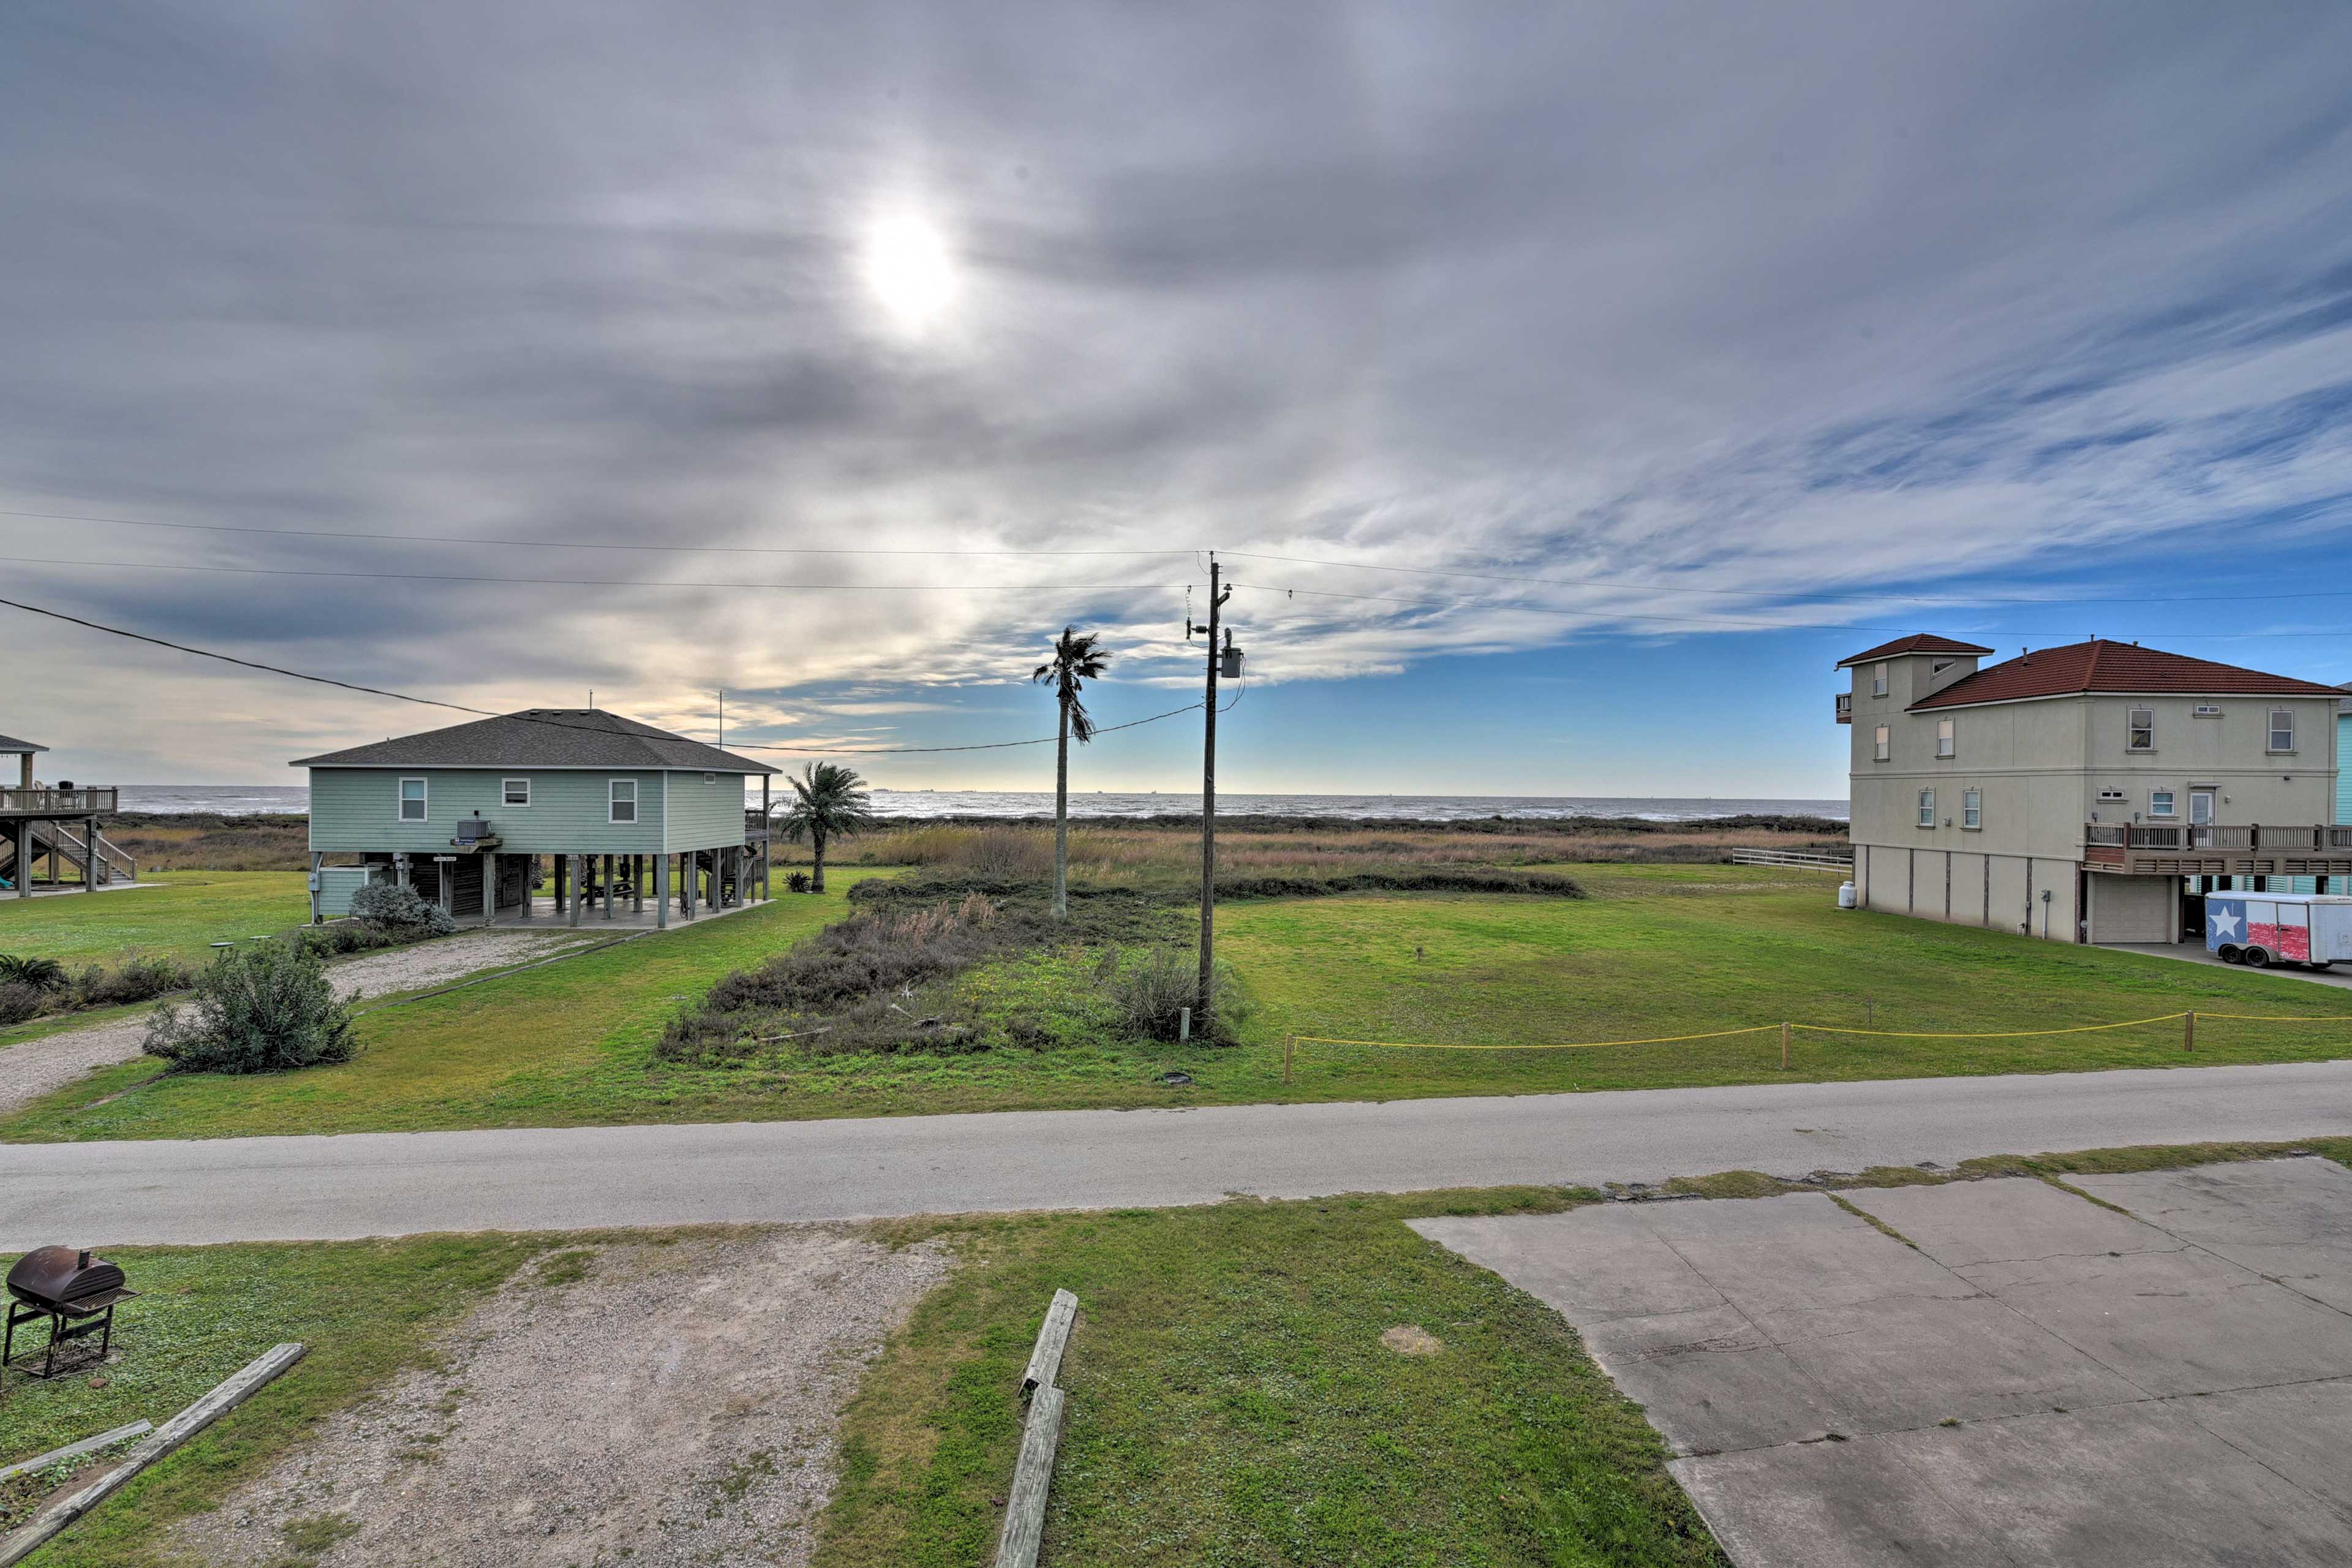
<point x="2263" y="929"/>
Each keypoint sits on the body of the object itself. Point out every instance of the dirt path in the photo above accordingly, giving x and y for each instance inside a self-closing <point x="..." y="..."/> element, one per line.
<point x="671" y="1405"/>
<point x="32" y="1069"/>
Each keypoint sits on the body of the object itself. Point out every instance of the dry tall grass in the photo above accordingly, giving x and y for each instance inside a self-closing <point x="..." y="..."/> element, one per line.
<point x="1130" y="855"/>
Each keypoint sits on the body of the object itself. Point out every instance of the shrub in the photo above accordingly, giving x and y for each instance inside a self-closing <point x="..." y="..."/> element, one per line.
<point x="339" y="937"/>
<point x="391" y="907"/>
<point x="796" y="881"/>
<point x="138" y="980"/>
<point x="20" y="1001"/>
<point x="40" y="973"/>
<point x="264" y="1008"/>
<point x="1151" y="993"/>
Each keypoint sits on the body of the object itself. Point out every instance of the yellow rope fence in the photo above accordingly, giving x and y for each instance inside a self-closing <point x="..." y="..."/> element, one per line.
<point x="2188" y="1021"/>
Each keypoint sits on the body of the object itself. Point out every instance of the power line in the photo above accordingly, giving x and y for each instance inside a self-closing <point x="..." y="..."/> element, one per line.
<point x="382" y="538"/>
<point x="606" y="581"/>
<point x="551" y="723"/>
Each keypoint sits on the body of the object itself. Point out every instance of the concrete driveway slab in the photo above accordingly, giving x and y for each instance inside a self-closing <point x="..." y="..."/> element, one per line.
<point x="2038" y="1380"/>
<point x="2290" y="1220"/>
<point x="1711" y="1381"/>
<point x="1897" y="1362"/>
<point x="1833" y="1505"/>
<point x="1614" y="1264"/>
<point x="2303" y="1431"/>
<point x="2010" y="1219"/>
<point x="2177" y="1322"/>
<point x="2126" y="1485"/>
<point x="1800" y="1251"/>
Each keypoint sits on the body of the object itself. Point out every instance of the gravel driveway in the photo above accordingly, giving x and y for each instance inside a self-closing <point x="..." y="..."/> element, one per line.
<point x="36" y="1068"/>
<point x="671" y="1405"/>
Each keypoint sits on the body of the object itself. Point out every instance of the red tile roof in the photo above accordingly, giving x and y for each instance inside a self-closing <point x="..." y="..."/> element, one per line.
<point x="1917" y="642"/>
<point x="2115" y="667"/>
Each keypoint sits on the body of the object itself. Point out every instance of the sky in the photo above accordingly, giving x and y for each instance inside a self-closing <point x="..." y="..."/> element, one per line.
<point x="1565" y="390"/>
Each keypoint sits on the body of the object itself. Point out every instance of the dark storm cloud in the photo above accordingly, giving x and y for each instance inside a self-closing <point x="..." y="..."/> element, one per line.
<point x="1784" y="300"/>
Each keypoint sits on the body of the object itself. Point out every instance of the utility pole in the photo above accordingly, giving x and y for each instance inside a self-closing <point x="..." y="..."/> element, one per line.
<point x="1204" y="1014"/>
<point x="722" y="718"/>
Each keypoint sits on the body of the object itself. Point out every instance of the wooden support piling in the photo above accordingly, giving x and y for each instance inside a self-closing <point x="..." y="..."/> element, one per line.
<point x="1784" y="1047"/>
<point x="2189" y="1030"/>
<point x="1052" y="1336"/>
<point x="1288" y="1042"/>
<point x="1024" y="1506"/>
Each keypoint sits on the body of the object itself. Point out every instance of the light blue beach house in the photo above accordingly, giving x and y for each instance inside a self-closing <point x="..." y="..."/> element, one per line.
<point x="471" y="816"/>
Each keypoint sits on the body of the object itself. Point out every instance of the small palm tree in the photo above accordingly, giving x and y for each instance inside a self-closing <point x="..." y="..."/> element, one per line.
<point x="1075" y="662"/>
<point x="832" y="804"/>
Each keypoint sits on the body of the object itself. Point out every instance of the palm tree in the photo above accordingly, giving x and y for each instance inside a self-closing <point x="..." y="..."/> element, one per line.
<point x="832" y="804"/>
<point x="1075" y="662"/>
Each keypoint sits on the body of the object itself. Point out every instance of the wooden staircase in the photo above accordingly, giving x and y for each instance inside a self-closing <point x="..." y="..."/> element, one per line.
<point x="60" y="849"/>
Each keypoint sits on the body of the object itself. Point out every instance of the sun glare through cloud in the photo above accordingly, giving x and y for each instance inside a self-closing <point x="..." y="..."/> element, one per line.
<point x="909" y="270"/>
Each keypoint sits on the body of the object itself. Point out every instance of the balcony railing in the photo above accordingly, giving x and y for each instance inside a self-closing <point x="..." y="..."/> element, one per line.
<point x="1846" y="706"/>
<point x="755" y="825"/>
<point x="2114" y="843"/>
<point x="89" y="802"/>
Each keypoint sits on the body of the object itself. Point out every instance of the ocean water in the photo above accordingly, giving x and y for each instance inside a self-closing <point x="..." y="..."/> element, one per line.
<point x="244" y="800"/>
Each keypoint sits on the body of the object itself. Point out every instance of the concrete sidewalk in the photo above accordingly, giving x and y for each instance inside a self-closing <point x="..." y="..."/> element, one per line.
<point x="553" y="1179"/>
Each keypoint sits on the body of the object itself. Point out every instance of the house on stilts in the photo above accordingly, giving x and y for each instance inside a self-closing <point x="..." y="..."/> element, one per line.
<point x="604" y="811"/>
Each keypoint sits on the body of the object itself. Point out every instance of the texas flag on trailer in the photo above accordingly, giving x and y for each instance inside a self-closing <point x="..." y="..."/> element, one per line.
<point x="2280" y="928"/>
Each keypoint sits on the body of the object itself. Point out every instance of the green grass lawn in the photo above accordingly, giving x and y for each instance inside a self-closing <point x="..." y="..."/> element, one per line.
<point x="365" y="1311"/>
<point x="1658" y="950"/>
<point x="180" y="918"/>
<point x="1230" y="1401"/>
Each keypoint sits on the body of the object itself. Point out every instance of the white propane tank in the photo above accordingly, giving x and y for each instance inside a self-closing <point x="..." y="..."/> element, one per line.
<point x="1846" y="900"/>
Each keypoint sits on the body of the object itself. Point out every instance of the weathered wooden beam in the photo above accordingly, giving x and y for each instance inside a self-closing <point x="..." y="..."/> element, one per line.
<point x="256" y="1375"/>
<point x="74" y="1450"/>
<point x="1045" y="1360"/>
<point x="1024" y="1506"/>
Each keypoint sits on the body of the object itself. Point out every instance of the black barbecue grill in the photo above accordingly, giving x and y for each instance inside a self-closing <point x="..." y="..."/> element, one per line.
<point x="77" y="1291"/>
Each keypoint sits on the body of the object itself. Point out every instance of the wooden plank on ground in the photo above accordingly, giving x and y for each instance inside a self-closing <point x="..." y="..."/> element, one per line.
<point x="1024" y="1508"/>
<point x="1045" y="1360"/>
<point x="74" y="1450"/>
<point x="255" y="1375"/>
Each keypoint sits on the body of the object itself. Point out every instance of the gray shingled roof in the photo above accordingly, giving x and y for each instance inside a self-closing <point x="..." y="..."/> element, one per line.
<point x="10" y="746"/>
<point x="542" y="738"/>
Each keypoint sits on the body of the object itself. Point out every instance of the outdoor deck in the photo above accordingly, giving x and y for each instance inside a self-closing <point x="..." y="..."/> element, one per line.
<point x="623" y="918"/>
<point x="2217" y="849"/>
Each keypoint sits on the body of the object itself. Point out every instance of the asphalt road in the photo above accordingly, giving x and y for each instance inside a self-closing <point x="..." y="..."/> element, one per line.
<point x="576" y="1178"/>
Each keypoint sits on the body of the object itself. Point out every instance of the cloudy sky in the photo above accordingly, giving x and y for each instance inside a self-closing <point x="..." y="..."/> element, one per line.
<point x="1566" y="388"/>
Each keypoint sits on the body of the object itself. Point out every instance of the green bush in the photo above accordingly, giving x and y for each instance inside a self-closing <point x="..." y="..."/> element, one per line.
<point x="391" y="907"/>
<point x="339" y="937"/>
<point x="40" y="973"/>
<point x="265" y="1008"/>
<point x="20" y="1001"/>
<point x="138" y="980"/>
<point x="1152" y="991"/>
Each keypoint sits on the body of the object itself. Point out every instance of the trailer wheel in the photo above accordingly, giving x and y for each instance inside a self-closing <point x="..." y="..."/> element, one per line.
<point x="2231" y="953"/>
<point x="2258" y="958"/>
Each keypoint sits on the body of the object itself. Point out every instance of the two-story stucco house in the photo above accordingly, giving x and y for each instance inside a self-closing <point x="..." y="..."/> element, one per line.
<point x="463" y="814"/>
<point x="2071" y="793"/>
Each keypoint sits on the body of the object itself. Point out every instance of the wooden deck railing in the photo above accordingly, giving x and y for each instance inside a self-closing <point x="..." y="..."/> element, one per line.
<point x="95" y="801"/>
<point x="2115" y="843"/>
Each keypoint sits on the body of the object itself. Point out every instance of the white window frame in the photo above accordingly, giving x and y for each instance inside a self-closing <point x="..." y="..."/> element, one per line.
<point x="2134" y="729"/>
<point x="613" y="802"/>
<point x="1882" y="744"/>
<point x="2276" y="714"/>
<point x="2208" y="710"/>
<point x="424" y="800"/>
<point x="1878" y="679"/>
<point x="2164" y="802"/>
<point x="2111" y="797"/>
<point x="1972" y="810"/>
<point x="506" y="793"/>
<point x="1947" y="737"/>
<point x="1928" y="808"/>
